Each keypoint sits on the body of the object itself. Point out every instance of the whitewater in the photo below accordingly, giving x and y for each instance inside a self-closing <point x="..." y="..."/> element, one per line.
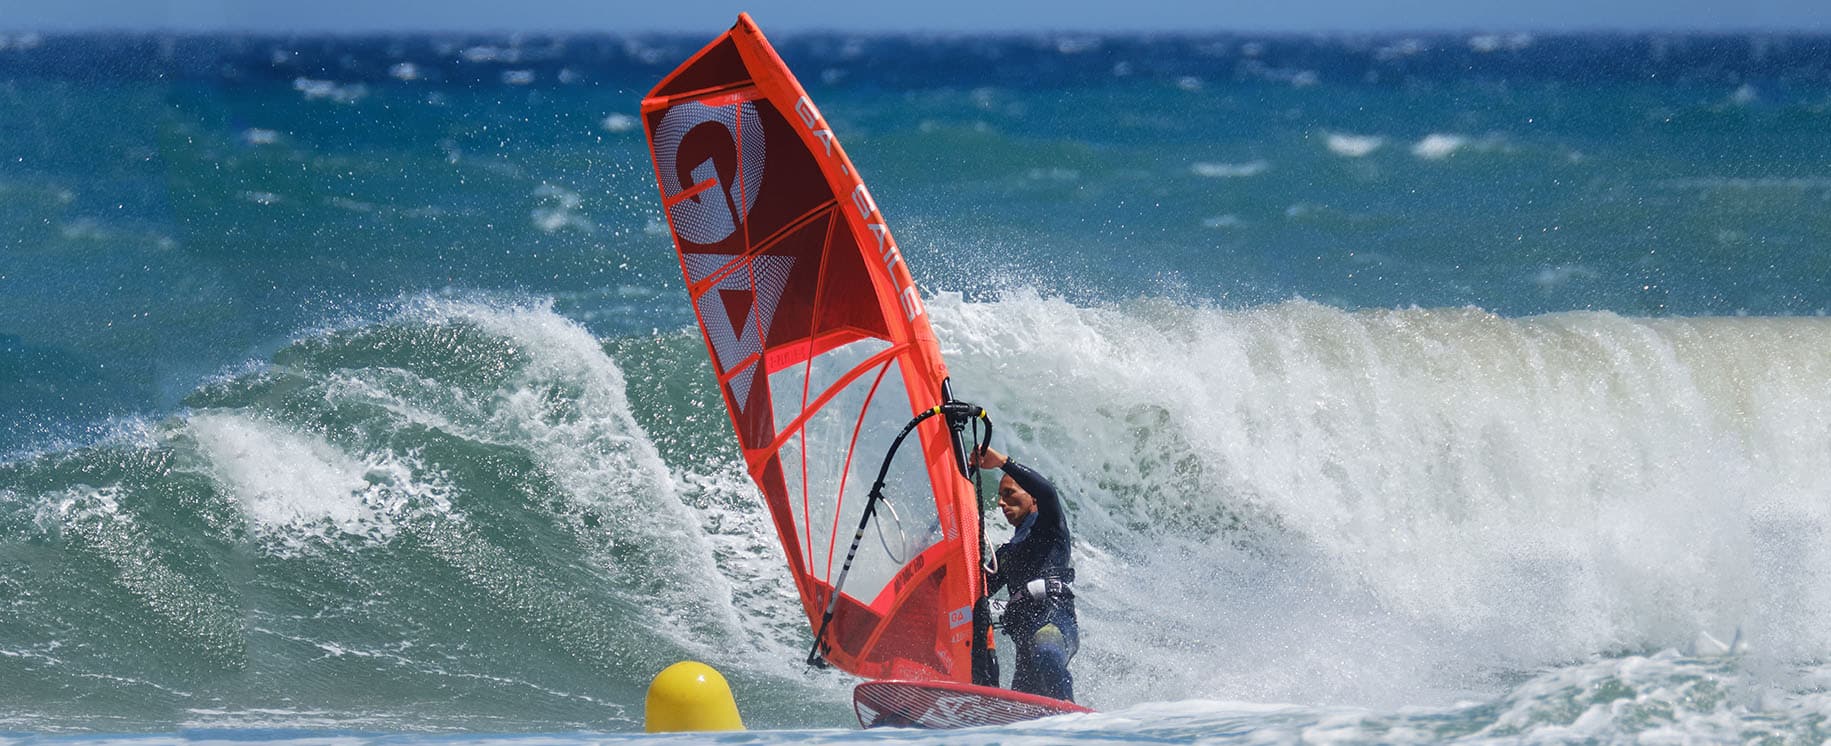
<point x="1434" y="523"/>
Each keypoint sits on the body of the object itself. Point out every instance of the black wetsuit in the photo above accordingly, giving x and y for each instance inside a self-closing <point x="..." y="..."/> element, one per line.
<point x="1044" y="629"/>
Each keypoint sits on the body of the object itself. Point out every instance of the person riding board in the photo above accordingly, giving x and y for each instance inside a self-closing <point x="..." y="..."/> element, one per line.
<point x="1036" y="567"/>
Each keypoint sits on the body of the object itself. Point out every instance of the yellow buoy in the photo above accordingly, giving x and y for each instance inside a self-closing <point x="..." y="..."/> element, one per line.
<point x="690" y="695"/>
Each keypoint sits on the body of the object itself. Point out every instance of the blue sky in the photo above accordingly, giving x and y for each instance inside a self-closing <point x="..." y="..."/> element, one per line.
<point x="701" y="16"/>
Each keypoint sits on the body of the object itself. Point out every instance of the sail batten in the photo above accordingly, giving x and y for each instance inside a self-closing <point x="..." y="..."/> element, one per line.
<point x="822" y="352"/>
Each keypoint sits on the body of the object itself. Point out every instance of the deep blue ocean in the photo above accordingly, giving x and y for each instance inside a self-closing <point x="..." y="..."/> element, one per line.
<point x="1422" y="388"/>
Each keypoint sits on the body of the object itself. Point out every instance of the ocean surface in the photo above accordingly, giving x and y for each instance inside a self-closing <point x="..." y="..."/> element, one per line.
<point x="1403" y="388"/>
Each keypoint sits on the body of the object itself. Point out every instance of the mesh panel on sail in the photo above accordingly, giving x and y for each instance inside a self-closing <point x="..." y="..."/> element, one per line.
<point x="838" y="464"/>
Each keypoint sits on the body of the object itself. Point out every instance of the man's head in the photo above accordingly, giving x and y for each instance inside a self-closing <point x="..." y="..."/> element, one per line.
<point x="1014" y="501"/>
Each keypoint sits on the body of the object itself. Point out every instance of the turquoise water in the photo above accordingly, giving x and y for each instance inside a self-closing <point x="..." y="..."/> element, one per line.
<point x="1403" y="389"/>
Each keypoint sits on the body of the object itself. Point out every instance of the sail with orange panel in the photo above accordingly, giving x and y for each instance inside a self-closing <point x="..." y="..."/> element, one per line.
<point x="824" y="354"/>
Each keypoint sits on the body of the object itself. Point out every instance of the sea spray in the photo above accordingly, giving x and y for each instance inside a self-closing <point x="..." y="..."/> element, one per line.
<point x="1399" y="503"/>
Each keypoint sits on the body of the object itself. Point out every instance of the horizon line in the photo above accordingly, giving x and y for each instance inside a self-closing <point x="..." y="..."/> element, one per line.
<point x="61" y="30"/>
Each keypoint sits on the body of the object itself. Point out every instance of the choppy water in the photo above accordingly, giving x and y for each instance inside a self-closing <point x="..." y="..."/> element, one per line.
<point x="1403" y="389"/>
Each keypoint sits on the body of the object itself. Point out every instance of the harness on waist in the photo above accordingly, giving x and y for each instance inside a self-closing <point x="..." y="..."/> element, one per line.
<point x="1051" y="584"/>
<point x="1035" y="600"/>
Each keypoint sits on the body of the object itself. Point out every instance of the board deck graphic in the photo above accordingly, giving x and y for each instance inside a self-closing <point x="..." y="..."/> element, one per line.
<point x="936" y="704"/>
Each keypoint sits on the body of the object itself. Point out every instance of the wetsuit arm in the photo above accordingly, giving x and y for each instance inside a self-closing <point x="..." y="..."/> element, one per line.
<point x="1048" y="504"/>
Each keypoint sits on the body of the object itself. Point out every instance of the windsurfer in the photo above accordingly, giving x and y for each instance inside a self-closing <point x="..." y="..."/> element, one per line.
<point x="1037" y="568"/>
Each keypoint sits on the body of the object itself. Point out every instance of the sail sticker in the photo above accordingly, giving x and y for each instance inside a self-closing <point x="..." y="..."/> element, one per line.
<point x="738" y="308"/>
<point x="710" y="211"/>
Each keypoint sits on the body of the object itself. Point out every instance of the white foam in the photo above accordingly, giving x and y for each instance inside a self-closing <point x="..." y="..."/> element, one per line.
<point x="22" y="42"/>
<point x="298" y="490"/>
<point x="281" y="476"/>
<point x="487" y="53"/>
<point x="84" y="228"/>
<point x="560" y="209"/>
<point x="1660" y="698"/>
<point x="1295" y="77"/>
<point x="1437" y="146"/>
<point x="1401" y="49"/>
<point x="618" y="123"/>
<point x="1296" y="503"/>
<point x="345" y="203"/>
<point x="315" y="90"/>
<point x="1353" y="146"/>
<point x="1229" y="170"/>
<point x="1489" y="43"/>
<point x="1485" y="42"/>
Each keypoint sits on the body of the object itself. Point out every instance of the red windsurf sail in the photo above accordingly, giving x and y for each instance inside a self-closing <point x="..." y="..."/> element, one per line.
<point x="823" y="352"/>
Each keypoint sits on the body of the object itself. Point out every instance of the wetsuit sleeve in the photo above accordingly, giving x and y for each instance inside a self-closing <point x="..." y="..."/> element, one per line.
<point x="1048" y="505"/>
